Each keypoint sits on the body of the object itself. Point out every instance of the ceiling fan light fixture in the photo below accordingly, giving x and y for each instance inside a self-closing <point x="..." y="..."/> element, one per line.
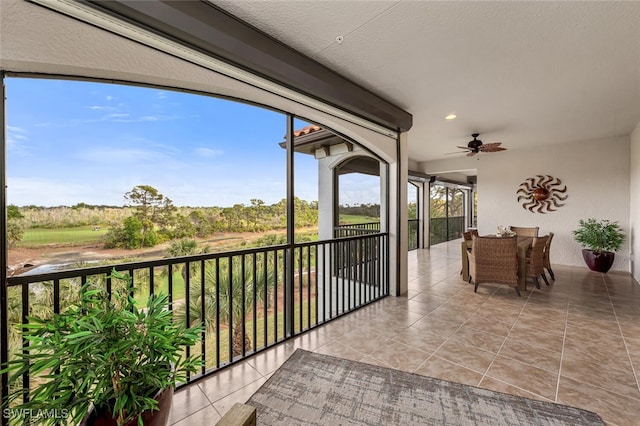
<point x="476" y="146"/>
<point x="450" y="117"/>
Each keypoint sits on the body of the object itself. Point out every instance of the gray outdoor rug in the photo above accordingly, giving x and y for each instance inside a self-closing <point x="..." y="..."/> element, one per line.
<point x="315" y="389"/>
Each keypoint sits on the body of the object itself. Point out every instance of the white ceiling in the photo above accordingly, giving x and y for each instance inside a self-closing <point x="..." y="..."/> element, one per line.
<point x="522" y="73"/>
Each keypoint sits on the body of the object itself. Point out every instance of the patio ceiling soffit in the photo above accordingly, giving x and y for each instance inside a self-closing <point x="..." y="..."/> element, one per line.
<point x="209" y="31"/>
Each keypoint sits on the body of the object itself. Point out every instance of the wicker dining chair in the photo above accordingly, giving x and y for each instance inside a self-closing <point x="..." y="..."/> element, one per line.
<point x="494" y="260"/>
<point x="467" y="235"/>
<point x="547" y="261"/>
<point x="525" y="232"/>
<point x="535" y="260"/>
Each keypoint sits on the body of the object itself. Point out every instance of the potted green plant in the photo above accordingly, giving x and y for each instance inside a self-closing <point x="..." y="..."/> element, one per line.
<point x="600" y="239"/>
<point x="103" y="357"/>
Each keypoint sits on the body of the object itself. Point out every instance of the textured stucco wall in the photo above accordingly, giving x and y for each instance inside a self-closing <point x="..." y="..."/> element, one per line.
<point x="595" y="172"/>
<point x="634" y="201"/>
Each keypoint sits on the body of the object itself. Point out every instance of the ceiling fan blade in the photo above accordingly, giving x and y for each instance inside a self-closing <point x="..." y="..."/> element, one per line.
<point x="490" y="145"/>
<point x="493" y="149"/>
<point x="476" y="146"/>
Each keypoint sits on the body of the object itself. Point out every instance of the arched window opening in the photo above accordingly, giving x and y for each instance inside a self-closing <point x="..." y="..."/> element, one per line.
<point x="358" y="196"/>
<point x="189" y="195"/>
<point x="106" y="172"/>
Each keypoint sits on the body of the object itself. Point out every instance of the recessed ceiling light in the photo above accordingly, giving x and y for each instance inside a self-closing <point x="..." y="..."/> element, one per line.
<point x="450" y="117"/>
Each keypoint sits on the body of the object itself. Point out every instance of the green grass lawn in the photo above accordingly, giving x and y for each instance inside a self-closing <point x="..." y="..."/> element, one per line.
<point x="161" y="285"/>
<point x="349" y="219"/>
<point x="82" y="234"/>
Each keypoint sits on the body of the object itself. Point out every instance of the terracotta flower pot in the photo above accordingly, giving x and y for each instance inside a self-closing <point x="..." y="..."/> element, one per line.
<point x="150" y="418"/>
<point x="599" y="262"/>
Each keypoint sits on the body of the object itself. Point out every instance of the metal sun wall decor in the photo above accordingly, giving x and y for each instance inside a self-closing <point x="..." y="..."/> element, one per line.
<point x="542" y="193"/>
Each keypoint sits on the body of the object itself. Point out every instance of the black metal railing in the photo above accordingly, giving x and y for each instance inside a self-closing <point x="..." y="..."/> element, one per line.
<point x="374" y="227"/>
<point x="355" y="229"/>
<point x="444" y="229"/>
<point x="413" y="240"/>
<point x="247" y="300"/>
<point x="350" y="256"/>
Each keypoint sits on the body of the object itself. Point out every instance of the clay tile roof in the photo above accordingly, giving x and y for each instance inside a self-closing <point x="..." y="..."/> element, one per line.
<point x="306" y="130"/>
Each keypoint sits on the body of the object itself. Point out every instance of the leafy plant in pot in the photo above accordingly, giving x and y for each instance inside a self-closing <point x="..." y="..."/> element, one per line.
<point x="600" y="239"/>
<point x="104" y="360"/>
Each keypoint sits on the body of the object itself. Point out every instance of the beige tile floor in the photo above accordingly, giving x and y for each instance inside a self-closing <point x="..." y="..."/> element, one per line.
<point x="576" y="342"/>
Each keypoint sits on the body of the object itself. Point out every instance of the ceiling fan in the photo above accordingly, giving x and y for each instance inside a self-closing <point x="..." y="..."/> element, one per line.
<point x="476" y="146"/>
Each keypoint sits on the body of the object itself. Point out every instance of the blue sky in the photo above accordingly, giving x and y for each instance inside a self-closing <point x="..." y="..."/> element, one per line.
<point x="74" y="141"/>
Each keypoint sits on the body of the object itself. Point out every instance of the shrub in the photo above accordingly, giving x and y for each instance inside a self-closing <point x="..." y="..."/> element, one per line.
<point x="599" y="235"/>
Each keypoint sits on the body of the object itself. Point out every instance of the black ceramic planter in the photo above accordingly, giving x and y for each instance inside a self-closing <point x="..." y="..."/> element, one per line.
<point x="599" y="262"/>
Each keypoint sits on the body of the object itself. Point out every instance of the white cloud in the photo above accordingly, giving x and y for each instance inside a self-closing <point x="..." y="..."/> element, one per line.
<point x="45" y="124"/>
<point x="356" y="189"/>
<point x="150" y="118"/>
<point x="116" y="115"/>
<point x="15" y="129"/>
<point x="100" y="108"/>
<point x="16" y="136"/>
<point x="127" y="118"/>
<point x="208" y="152"/>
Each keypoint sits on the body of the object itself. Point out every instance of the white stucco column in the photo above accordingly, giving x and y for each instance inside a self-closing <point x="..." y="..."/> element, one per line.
<point x="325" y="198"/>
<point x="398" y="219"/>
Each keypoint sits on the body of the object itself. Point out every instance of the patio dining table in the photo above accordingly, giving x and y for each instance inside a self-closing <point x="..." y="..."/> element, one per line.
<point x="524" y="244"/>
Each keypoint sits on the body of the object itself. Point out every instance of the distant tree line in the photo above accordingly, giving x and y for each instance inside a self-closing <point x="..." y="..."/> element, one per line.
<point x="154" y="219"/>
<point x="149" y="218"/>
<point x="370" y="210"/>
<point x="34" y="217"/>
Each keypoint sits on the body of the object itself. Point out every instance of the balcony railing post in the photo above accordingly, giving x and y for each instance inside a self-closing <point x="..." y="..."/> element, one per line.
<point x="187" y="302"/>
<point x="25" y="342"/>
<point x="254" y="271"/>
<point x="217" y="284"/>
<point x="300" y="286"/>
<point x="230" y="304"/>
<point x="288" y="293"/>
<point x="203" y="322"/>
<point x="328" y="272"/>
<point x="309" y="287"/>
<point x="276" y="277"/>
<point x="265" y="308"/>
